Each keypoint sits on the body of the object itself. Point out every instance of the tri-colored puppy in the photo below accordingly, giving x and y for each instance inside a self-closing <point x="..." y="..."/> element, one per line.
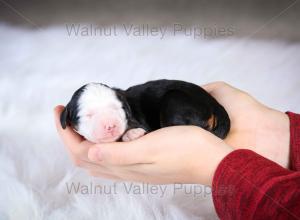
<point x="104" y="114"/>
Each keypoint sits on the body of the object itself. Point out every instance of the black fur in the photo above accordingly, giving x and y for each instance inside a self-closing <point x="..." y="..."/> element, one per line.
<point x="163" y="103"/>
<point x="69" y="116"/>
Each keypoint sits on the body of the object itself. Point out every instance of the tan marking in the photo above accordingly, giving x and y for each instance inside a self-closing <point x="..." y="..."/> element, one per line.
<point x="212" y="122"/>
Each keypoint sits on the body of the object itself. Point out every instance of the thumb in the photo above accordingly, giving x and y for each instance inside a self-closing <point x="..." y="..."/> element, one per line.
<point x="121" y="153"/>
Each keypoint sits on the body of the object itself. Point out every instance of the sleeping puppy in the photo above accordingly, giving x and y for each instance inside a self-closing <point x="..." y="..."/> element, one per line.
<point x="103" y="114"/>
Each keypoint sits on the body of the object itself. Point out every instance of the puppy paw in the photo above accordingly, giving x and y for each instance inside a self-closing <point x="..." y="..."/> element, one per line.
<point x="133" y="134"/>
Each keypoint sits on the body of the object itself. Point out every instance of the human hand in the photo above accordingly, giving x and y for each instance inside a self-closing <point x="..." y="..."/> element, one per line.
<point x="179" y="154"/>
<point x="254" y="126"/>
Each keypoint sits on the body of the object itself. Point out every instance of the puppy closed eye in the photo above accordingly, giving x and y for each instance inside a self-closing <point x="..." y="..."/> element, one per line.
<point x="88" y="115"/>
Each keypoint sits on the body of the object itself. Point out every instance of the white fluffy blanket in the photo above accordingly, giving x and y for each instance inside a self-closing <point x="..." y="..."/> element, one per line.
<point x="40" y="69"/>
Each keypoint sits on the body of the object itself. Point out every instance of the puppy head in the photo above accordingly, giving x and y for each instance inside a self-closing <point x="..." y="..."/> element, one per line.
<point x="97" y="112"/>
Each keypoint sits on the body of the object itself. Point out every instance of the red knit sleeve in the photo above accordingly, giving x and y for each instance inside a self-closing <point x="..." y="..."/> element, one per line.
<point x="294" y="141"/>
<point x="249" y="186"/>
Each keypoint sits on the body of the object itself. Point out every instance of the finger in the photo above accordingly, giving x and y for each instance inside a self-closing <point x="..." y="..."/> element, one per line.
<point x="124" y="171"/>
<point x="76" y="145"/>
<point x="121" y="153"/>
<point x="68" y="135"/>
<point x="213" y="86"/>
<point x="221" y="88"/>
<point x="104" y="175"/>
<point x="117" y="178"/>
<point x="97" y="170"/>
<point x="136" y="177"/>
<point x="86" y="164"/>
<point x="127" y="176"/>
<point x="137" y="173"/>
<point x="117" y="173"/>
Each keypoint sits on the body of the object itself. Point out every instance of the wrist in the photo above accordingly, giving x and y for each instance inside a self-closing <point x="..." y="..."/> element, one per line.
<point x="215" y="161"/>
<point x="207" y="165"/>
<point x="271" y="137"/>
<point x="282" y="153"/>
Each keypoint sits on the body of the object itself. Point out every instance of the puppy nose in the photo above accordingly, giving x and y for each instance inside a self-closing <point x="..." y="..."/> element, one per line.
<point x="109" y="127"/>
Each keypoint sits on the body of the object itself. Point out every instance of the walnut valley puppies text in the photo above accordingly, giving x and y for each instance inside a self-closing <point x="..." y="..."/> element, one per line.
<point x="147" y="30"/>
<point x="115" y="188"/>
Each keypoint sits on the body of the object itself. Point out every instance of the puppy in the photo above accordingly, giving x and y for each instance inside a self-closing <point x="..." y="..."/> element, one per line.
<point x="103" y="114"/>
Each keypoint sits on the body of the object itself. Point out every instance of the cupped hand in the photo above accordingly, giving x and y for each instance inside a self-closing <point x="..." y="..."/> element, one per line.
<point x="254" y="126"/>
<point x="179" y="154"/>
<point x="185" y="154"/>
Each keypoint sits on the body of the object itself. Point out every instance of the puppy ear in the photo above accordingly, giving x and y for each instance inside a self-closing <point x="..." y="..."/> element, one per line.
<point x="64" y="118"/>
<point x="122" y="97"/>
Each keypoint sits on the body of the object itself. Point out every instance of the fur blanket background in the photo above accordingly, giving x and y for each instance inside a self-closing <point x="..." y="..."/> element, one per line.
<point x="40" y="69"/>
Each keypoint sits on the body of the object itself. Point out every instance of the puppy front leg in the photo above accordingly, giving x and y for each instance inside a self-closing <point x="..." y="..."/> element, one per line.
<point x="133" y="134"/>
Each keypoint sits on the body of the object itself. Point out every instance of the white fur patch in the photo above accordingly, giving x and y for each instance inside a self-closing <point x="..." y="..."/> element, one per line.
<point x="98" y="105"/>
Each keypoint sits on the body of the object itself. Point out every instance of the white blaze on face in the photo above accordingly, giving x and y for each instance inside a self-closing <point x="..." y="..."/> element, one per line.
<point x="101" y="116"/>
